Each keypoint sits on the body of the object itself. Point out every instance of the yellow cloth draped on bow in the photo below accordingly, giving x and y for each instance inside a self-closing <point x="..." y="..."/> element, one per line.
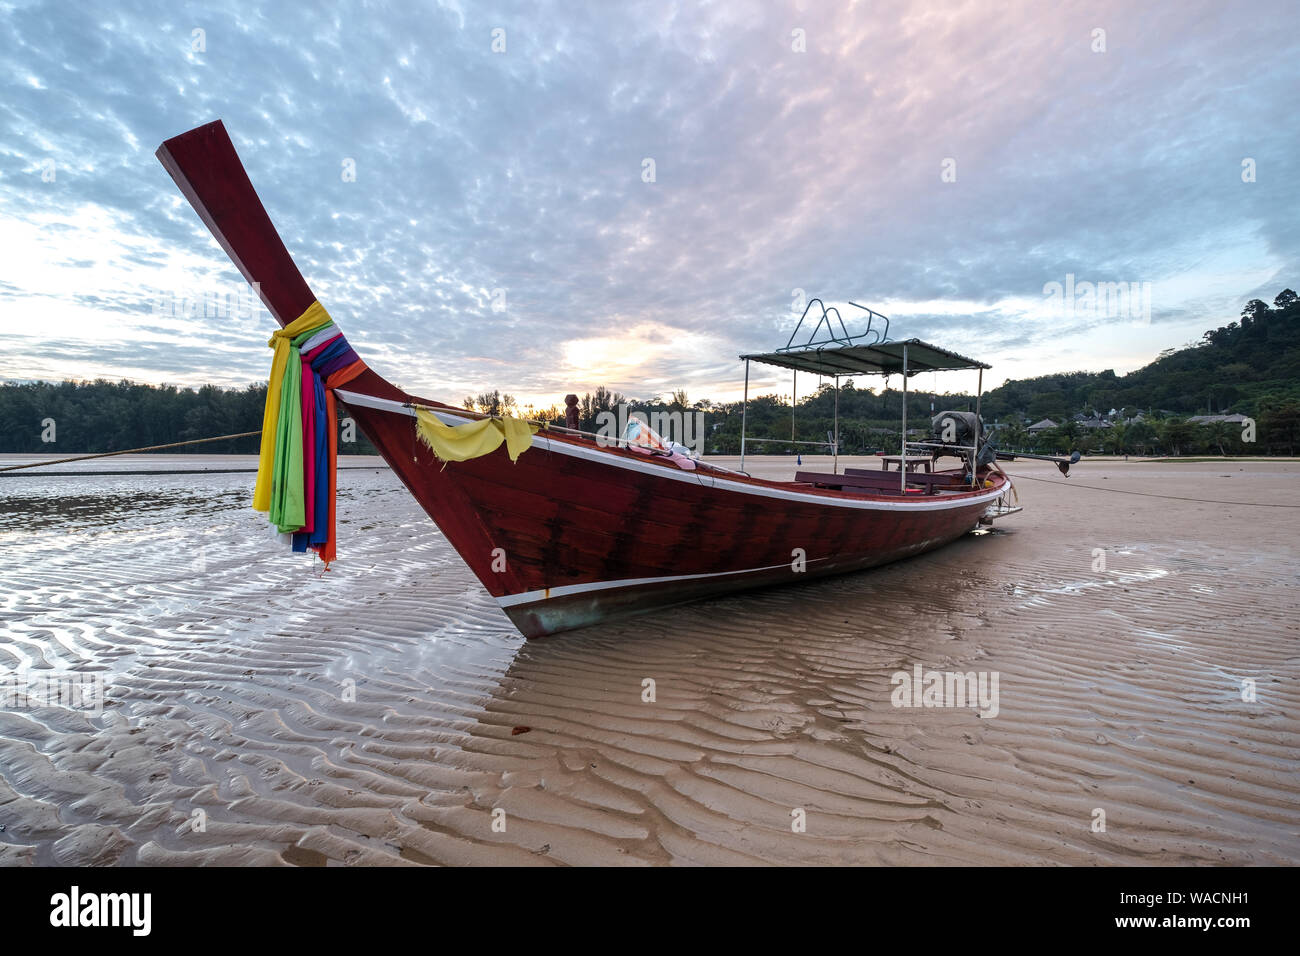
<point x="462" y="442"/>
<point x="281" y="341"/>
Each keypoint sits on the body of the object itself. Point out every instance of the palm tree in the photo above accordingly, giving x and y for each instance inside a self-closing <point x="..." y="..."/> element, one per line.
<point x="1117" y="438"/>
<point x="1175" y="435"/>
<point x="1279" y="421"/>
<point x="1014" y="436"/>
<point x="1069" y="433"/>
<point x="1220" y="432"/>
<point x="1139" y="437"/>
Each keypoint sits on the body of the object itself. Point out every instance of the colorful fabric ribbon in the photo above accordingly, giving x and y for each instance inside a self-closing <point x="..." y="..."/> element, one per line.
<point x="462" y="442"/>
<point x="297" y="468"/>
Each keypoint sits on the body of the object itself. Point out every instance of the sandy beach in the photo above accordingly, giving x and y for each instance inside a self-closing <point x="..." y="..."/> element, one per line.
<point x="259" y="711"/>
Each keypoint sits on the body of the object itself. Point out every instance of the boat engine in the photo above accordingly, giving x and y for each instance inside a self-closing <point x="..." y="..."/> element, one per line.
<point x="959" y="429"/>
<point x="953" y="430"/>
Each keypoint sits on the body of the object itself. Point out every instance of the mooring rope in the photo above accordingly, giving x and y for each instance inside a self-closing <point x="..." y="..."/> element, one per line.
<point x="1148" y="494"/>
<point x="128" y="451"/>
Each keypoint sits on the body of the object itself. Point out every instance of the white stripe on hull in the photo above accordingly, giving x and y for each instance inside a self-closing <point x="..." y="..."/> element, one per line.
<point x="545" y="594"/>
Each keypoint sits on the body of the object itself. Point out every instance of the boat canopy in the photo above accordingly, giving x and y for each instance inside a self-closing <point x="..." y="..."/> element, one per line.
<point x="883" y="358"/>
<point x="843" y="355"/>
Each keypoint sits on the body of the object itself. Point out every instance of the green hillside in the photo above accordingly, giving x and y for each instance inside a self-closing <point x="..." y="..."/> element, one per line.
<point x="1242" y="367"/>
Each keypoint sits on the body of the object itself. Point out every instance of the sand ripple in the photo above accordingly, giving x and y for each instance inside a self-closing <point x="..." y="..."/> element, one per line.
<point x="374" y="714"/>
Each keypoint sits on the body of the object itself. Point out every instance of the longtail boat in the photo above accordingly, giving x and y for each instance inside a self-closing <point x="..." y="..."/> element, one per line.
<point x="564" y="528"/>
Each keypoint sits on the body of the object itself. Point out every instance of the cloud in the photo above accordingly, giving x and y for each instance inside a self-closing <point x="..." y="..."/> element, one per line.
<point x="520" y="173"/>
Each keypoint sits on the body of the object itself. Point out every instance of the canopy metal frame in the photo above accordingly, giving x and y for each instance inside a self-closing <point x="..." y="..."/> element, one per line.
<point x="876" y="335"/>
<point x="849" y="357"/>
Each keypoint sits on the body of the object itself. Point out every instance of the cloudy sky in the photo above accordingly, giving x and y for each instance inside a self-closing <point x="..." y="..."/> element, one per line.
<point x="632" y="194"/>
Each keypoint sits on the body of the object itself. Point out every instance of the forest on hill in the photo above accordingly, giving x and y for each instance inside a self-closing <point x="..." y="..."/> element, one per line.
<point x="1250" y="366"/>
<point x="1246" y="366"/>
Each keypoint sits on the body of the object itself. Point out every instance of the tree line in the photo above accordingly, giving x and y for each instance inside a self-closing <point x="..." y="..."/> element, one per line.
<point x="1250" y="366"/>
<point x="89" y="417"/>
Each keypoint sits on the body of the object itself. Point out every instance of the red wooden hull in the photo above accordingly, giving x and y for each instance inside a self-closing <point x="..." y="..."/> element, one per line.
<point x="574" y="533"/>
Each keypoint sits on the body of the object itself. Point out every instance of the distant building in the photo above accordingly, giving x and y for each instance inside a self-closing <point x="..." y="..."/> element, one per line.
<point x="1210" y="419"/>
<point x="1089" y="420"/>
<point x="1042" y="426"/>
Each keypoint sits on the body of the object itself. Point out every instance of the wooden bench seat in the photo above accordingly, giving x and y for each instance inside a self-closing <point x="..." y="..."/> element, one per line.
<point x="876" y="482"/>
<point x="937" y="480"/>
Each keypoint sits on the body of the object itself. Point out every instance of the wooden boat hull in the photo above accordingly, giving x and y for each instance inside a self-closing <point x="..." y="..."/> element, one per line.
<point x="574" y="533"/>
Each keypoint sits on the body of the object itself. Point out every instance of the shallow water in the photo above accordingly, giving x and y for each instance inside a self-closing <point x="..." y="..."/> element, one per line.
<point x="375" y="713"/>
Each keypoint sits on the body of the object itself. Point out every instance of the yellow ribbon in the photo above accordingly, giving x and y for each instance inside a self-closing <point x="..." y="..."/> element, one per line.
<point x="280" y="341"/>
<point x="473" y="439"/>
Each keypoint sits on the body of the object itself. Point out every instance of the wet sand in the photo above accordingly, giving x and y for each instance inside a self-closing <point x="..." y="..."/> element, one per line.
<point x="229" y="665"/>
